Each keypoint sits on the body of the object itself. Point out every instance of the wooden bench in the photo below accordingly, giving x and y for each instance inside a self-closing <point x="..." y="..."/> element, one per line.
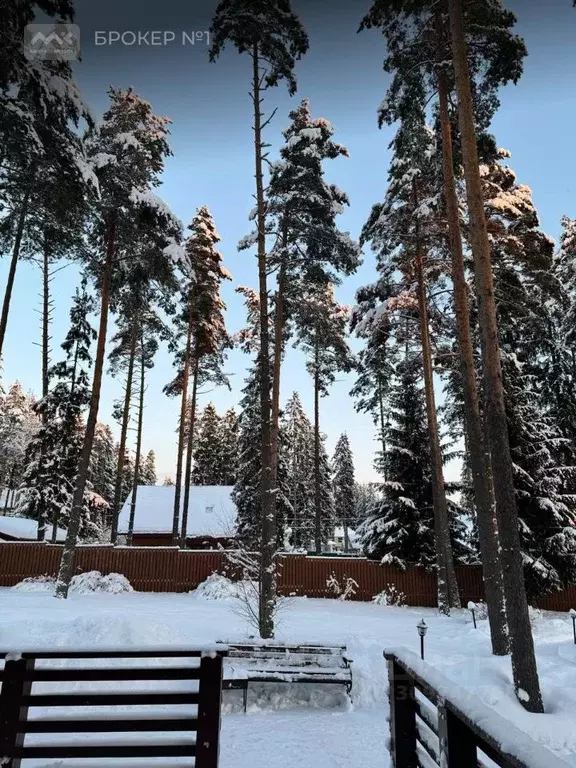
<point x="280" y="663"/>
<point x="24" y="673"/>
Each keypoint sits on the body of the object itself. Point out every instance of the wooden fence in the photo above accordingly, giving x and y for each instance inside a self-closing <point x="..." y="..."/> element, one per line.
<point x="169" y="569"/>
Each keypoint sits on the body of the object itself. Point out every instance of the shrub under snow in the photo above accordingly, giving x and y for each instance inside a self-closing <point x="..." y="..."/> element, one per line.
<point x="390" y="596"/>
<point x="216" y="587"/>
<point x="82" y="584"/>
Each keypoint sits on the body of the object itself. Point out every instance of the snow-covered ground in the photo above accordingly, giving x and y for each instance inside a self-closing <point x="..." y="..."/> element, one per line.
<point x="324" y="737"/>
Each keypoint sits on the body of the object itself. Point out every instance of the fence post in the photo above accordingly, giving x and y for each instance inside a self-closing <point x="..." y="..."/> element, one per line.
<point x="457" y="741"/>
<point x="402" y="717"/>
<point x="16" y="683"/>
<point x="210" y="696"/>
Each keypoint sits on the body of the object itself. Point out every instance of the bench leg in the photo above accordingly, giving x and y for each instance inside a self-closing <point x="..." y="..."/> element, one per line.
<point x="246" y="698"/>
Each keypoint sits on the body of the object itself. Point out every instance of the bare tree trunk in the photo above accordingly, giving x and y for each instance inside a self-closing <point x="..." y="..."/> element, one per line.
<point x="268" y="561"/>
<point x="189" y="452"/>
<point x="66" y="571"/>
<point x="123" y="437"/>
<point x="8" y="489"/>
<point x="278" y="349"/>
<point x="317" y="497"/>
<point x="182" y="434"/>
<point x="477" y="446"/>
<point x="137" y="467"/>
<point x="448" y="595"/>
<point x="346" y="537"/>
<point x="12" y="271"/>
<point x="524" y="667"/>
<point x="42" y="513"/>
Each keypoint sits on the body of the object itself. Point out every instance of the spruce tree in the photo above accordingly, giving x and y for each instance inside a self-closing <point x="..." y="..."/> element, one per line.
<point x="228" y="447"/>
<point x="272" y="36"/>
<point x="103" y="463"/>
<point x="52" y="458"/>
<point x="18" y="426"/>
<point x="298" y="449"/>
<point x="149" y="476"/>
<point x="343" y="484"/>
<point x="207" y="451"/>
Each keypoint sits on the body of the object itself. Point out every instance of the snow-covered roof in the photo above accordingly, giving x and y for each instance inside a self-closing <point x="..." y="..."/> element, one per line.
<point x="339" y="533"/>
<point x="26" y="530"/>
<point x="211" y="512"/>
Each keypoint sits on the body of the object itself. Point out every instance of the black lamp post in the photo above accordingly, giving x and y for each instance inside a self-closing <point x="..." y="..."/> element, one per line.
<point x="422" y="629"/>
<point x="472" y="609"/>
<point x="573" y="617"/>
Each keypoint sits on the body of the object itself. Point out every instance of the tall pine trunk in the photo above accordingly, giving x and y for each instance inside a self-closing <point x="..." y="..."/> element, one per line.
<point x="42" y="512"/>
<point x="189" y="452"/>
<point x="477" y="446"/>
<point x="138" y="460"/>
<point x="12" y="271"/>
<point x="317" y="494"/>
<point x="66" y="571"/>
<point x="525" y="672"/>
<point x="448" y="595"/>
<point x="123" y="437"/>
<point x="267" y="600"/>
<point x="278" y="349"/>
<point x="182" y="433"/>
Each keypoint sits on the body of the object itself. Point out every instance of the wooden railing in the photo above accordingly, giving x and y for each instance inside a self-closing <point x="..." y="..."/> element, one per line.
<point x="21" y="673"/>
<point x="433" y="722"/>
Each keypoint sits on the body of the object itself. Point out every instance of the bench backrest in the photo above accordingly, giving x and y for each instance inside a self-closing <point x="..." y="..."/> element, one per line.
<point x="290" y="655"/>
<point x="24" y="672"/>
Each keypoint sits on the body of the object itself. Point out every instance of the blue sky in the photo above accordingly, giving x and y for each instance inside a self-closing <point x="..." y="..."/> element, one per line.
<point x="213" y="165"/>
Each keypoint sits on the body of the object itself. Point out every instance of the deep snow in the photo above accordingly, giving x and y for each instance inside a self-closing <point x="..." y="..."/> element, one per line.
<point x="325" y="738"/>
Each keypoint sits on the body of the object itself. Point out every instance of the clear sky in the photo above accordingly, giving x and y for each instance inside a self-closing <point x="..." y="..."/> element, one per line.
<point x="213" y="164"/>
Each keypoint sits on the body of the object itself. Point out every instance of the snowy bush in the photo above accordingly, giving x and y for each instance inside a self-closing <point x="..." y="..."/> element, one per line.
<point x="341" y="591"/>
<point x="93" y="581"/>
<point x="390" y="596"/>
<point x="82" y="584"/>
<point x="36" y="584"/>
<point x="216" y="587"/>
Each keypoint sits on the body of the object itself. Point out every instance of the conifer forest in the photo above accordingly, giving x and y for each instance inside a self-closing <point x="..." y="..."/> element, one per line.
<point x="459" y="346"/>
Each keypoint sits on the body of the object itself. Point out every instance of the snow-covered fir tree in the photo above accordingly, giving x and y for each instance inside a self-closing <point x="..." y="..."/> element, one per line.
<point x="52" y="457"/>
<point x="247" y="489"/>
<point x="228" y="442"/>
<point x="298" y="450"/>
<point x="207" y="448"/>
<point x="103" y="463"/>
<point x="18" y="426"/>
<point x="148" y="475"/>
<point x="526" y="292"/>
<point x="343" y="486"/>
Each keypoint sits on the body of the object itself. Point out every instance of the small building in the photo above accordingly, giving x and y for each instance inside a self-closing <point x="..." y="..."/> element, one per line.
<point x="23" y="529"/>
<point x="338" y="541"/>
<point x="211" y="516"/>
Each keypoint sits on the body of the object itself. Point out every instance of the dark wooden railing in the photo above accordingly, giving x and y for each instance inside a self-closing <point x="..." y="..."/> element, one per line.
<point x="429" y="728"/>
<point x="22" y="672"/>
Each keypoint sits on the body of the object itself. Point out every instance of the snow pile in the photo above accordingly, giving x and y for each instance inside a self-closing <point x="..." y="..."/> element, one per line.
<point x="216" y="587"/>
<point x="82" y="584"/>
<point x="94" y="581"/>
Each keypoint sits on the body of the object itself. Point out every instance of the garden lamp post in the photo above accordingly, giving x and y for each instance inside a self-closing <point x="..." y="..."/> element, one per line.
<point x="422" y="629"/>
<point x="573" y="617"/>
<point x="472" y="609"/>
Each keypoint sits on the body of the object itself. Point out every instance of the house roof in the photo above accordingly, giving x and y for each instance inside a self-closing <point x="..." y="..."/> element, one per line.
<point x="22" y="529"/>
<point x="211" y="511"/>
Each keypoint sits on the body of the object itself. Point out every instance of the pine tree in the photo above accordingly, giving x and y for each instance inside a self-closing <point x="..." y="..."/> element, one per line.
<point x="322" y="335"/>
<point x="271" y="34"/>
<point x="510" y="57"/>
<point x="127" y="154"/>
<point x="103" y="463"/>
<point x="343" y="484"/>
<point x="206" y="342"/>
